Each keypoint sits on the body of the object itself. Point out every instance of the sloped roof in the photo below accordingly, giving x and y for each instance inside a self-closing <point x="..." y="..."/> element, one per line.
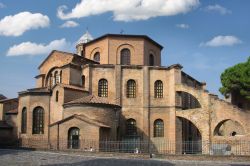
<point x="77" y="57"/>
<point x="2" y="97"/>
<point x="35" y="91"/>
<point x="85" y="38"/>
<point x="126" y="36"/>
<point x="70" y="87"/>
<point x="8" y="100"/>
<point x="91" y="99"/>
<point x="82" y="118"/>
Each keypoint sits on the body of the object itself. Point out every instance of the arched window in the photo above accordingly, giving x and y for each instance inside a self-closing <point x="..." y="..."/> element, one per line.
<point x="186" y="101"/>
<point x="103" y="88"/>
<point x="57" y="77"/>
<point x="73" y="138"/>
<point x="151" y="60"/>
<point x="158" y="128"/>
<point x="125" y="56"/>
<point x="158" y="89"/>
<point x="83" y="81"/>
<point x="97" y="57"/>
<point x="51" y="80"/>
<point x="24" y="120"/>
<point x="131" y="129"/>
<point x="60" y="76"/>
<point x="131" y="89"/>
<point x="38" y="121"/>
<point x="57" y="96"/>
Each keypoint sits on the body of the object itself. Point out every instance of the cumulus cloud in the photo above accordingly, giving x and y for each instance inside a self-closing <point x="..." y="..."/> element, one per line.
<point x="222" y="41"/>
<point x="29" y="48"/>
<point x="182" y="26"/>
<point x="16" y="25"/>
<point x="218" y="8"/>
<point x="128" y="10"/>
<point x="2" y="5"/>
<point x="69" y="24"/>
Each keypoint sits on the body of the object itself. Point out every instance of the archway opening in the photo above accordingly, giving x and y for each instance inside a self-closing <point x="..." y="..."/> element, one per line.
<point x="189" y="136"/>
<point x="229" y="128"/>
<point x="186" y="101"/>
<point x="73" y="138"/>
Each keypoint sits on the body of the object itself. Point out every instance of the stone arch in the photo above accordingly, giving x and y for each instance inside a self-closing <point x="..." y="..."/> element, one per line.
<point x="73" y="138"/>
<point x="190" y="135"/>
<point x="194" y="92"/>
<point x="49" y="73"/>
<point x="95" y="50"/>
<point x="38" y="122"/>
<point x="121" y="47"/>
<point x="228" y="127"/>
<point x="186" y="100"/>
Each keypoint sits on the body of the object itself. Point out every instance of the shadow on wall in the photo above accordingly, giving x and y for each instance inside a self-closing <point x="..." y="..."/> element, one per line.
<point x="137" y="140"/>
<point x="229" y="128"/>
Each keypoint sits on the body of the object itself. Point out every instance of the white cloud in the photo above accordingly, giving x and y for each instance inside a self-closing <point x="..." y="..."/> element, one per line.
<point x="128" y="10"/>
<point x="2" y="5"/>
<point x="69" y="24"/>
<point x="16" y="25"/>
<point x="218" y="8"/>
<point x="29" y="48"/>
<point x="183" y="26"/>
<point x="222" y="41"/>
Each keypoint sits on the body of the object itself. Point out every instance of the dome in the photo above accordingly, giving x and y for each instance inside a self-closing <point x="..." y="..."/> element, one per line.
<point x="85" y="38"/>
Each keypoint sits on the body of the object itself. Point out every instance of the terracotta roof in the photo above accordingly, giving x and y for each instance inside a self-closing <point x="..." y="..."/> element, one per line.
<point x="4" y="125"/>
<point x="81" y="58"/>
<point x="7" y="100"/>
<point x="91" y="99"/>
<point x="71" y="87"/>
<point x="126" y="36"/>
<point x="13" y="111"/>
<point x="82" y="118"/>
<point x="36" y="90"/>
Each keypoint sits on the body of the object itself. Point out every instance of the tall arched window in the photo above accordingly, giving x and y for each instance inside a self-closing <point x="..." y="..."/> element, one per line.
<point x="83" y="81"/>
<point x="73" y="138"/>
<point x="158" y="128"/>
<point x="131" y="129"/>
<point x="97" y="57"/>
<point x="38" y="121"/>
<point x="24" y="120"/>
<point x="151" y="60"/>
<point x="51" y="80"/>
<point x="60" y="76"/>
<point x="131" y="89"/>
<point x="57" y="77"/>
<point x="158" y="89"/>
<point x="57" y="96"/>
<point x="125" y="56"/>
<point x="103" y="88"/>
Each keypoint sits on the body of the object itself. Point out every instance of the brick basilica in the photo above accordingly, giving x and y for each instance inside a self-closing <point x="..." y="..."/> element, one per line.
<point x="115" y="88"/>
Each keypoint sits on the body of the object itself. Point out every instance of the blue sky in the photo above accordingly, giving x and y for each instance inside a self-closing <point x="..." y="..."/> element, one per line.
<point x="205" y="37"/>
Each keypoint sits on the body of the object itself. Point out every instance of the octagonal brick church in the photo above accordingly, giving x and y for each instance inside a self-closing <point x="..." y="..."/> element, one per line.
<point x="115" y="88"/>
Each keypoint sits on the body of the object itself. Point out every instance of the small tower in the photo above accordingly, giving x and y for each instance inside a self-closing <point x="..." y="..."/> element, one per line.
<point x="86" y="37"/>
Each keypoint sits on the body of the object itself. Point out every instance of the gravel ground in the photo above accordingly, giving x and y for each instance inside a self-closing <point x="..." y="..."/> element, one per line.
<point x="24" y="157"/>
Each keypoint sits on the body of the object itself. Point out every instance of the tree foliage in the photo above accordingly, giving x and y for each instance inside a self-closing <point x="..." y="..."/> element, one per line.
<point x="237" y="79"/>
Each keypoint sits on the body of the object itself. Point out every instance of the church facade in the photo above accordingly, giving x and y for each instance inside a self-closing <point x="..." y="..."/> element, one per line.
<point x="115" y="88"/>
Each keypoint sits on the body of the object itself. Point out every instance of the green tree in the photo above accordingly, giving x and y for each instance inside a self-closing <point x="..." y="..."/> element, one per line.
<point x="237" y="79"/>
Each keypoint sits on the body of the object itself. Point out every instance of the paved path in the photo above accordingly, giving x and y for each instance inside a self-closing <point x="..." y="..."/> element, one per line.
<point x="26" y="158"/>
